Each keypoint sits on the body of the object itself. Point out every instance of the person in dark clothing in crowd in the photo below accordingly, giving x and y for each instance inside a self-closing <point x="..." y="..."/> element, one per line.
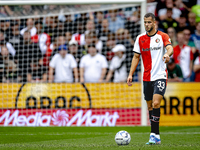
<point x="28" y="53"/>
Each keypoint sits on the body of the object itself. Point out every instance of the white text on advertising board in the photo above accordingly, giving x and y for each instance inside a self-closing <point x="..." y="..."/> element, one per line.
<point x="59" y="118"/>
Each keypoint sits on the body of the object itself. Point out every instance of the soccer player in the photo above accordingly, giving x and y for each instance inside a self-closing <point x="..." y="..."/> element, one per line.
<point x="155" y="48"/>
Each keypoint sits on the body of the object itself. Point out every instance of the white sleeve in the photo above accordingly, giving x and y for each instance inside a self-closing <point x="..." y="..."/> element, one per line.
<point x="73" y="62"/>
<point x="11" y="48"/>
<point x="53" y="62"/>
<point x="196" y="62"/>
<point x="137" y="46"/>
<point x="104" y="62"/>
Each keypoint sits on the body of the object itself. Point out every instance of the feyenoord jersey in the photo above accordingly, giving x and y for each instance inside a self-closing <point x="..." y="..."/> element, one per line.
<point x="152" y="49"/>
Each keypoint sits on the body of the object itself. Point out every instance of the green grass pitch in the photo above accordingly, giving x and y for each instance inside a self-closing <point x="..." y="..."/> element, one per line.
<point x="95" y="138"/>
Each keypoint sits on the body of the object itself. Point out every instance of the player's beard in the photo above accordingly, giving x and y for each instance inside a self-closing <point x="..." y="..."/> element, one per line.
<point x="150" y="29"/>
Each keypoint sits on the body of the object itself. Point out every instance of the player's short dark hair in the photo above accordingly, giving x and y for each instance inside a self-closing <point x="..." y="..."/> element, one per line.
<point x="150" y="15"/>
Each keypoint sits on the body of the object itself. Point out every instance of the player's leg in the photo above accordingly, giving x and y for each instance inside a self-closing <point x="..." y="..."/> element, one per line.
<point x="159" y="91"/>
<point x="148" y="95"/>
<point x="156" y="117"/>
<point x="150" y="109"/>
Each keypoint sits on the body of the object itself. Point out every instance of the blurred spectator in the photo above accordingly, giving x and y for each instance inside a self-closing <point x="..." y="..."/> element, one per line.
<point x="162" y="13"/>
<point x="99" y="20"/>
<point x="15" y="38"/>
<point x="195" y="9"/>
<point x="8" y="69"/>
<point x="28" y="52"/>
<point x="118" y="65"/>
<point x="5" y="28"/>
<point x="60" y="40"/>
<point x="133" y="24"/>
<point x="43" y="39"/>
<point x="79" y="36"/>
<point x="182" y="23"/>
<point x="93" y="66"/>
<point x="104" y="31"/>
<point x="98" y="43"/>
<point x="168" y="21"/>
<point x="160" y="5"/>
<point x="120" y="34"/>
<point x="51" y="27"/>
<point x="75" y="51"/>
<point x="196" y="69"/>
<point x="127" y="36"/>
<point x="68" y="36"/>
<point x="110" y="44"/>
<point x="192" y="22"/>
<point x="69" y="24"/>
<point x="29" y="27"/>
<point x="182" y="7"/>
<point x="196" y="37"/>
<point x="183" y="56"/>
<point x="172" y="35"/>
<point x="90" y="27"/>
<point x="36" y="73"/>
<point x="115" y="22"/>
<point x="174" y="72"/>
<point x="187" y="35"/>
<point x="9" y="46"/>
<point x="64" y="65"/>
<point x="190" y="3"/>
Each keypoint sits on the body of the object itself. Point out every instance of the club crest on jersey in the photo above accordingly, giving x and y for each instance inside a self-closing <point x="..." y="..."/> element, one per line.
<point x="157" y="40"/>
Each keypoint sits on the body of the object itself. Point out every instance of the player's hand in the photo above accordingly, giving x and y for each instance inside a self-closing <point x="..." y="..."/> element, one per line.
<point x="129" y="80"/>
<point x="166" y="58"/>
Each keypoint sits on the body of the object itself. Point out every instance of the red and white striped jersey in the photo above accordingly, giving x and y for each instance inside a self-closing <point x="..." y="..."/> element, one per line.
<point x="152" y="49"/>
<point x="183" y="56"/>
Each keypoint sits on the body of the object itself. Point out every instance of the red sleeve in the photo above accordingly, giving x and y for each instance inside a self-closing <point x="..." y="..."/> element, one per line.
<point x="191" y="55"/>
<point x="166" y="39"/>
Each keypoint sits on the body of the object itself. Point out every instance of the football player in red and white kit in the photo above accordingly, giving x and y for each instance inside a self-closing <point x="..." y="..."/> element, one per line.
<point x="155" y="48"/>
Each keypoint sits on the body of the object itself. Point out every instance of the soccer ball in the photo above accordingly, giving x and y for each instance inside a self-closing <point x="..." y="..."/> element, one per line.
<point x="122" y="138"/>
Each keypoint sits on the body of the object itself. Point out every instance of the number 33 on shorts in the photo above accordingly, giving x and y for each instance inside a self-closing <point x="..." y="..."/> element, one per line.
<point x="161" y="85"/>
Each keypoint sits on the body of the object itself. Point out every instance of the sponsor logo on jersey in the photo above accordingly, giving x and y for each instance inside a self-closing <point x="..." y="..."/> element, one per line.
<point x="151" y="48"/>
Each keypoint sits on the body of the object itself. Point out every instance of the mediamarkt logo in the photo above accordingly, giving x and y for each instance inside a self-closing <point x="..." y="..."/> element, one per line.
<point x="59" y="118"/>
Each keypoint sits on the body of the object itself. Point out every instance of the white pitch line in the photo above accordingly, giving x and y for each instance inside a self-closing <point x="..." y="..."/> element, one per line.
<point x="99" y="133"/>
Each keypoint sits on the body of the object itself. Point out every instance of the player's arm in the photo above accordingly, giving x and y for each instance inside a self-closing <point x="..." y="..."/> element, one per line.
<point x="135" y="61"/>
<point x="103" y="73"/>
<point x="169" y="52"/>
<point x="75" y="74"/>
<point x="81" y="75"/>
<point x="51" y="69"/>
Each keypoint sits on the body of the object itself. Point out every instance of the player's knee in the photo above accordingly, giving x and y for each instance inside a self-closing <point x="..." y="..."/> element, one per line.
<point x="156" y="104"/>
<point x="150" y="107"/>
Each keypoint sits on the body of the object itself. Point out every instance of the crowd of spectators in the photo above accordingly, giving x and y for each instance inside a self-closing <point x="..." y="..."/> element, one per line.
<point x="95" y="47"/>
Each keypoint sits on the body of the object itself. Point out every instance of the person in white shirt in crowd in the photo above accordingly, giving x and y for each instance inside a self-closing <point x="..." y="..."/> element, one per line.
<point x="118" y="65"/>
<point x="93" y="66"/>
<point x="9" y="46"/>
<point x="29" y="26"/>
<point x="64" y="65"/>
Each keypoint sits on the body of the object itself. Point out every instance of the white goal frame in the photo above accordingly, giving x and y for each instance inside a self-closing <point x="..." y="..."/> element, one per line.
<point x="74" y="2"/>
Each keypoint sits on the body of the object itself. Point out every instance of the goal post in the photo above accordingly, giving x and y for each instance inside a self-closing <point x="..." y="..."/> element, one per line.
<point x="19" y="92"/>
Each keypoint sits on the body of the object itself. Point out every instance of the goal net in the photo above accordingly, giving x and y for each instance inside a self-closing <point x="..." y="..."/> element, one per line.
<point x="66" y="64"/>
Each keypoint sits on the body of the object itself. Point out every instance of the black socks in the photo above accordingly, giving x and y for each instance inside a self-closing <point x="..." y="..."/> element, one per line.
<point x="155" y="120"/>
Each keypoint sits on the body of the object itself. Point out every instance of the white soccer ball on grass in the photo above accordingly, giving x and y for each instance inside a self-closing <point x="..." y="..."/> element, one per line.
<point x="122" y="138"/>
